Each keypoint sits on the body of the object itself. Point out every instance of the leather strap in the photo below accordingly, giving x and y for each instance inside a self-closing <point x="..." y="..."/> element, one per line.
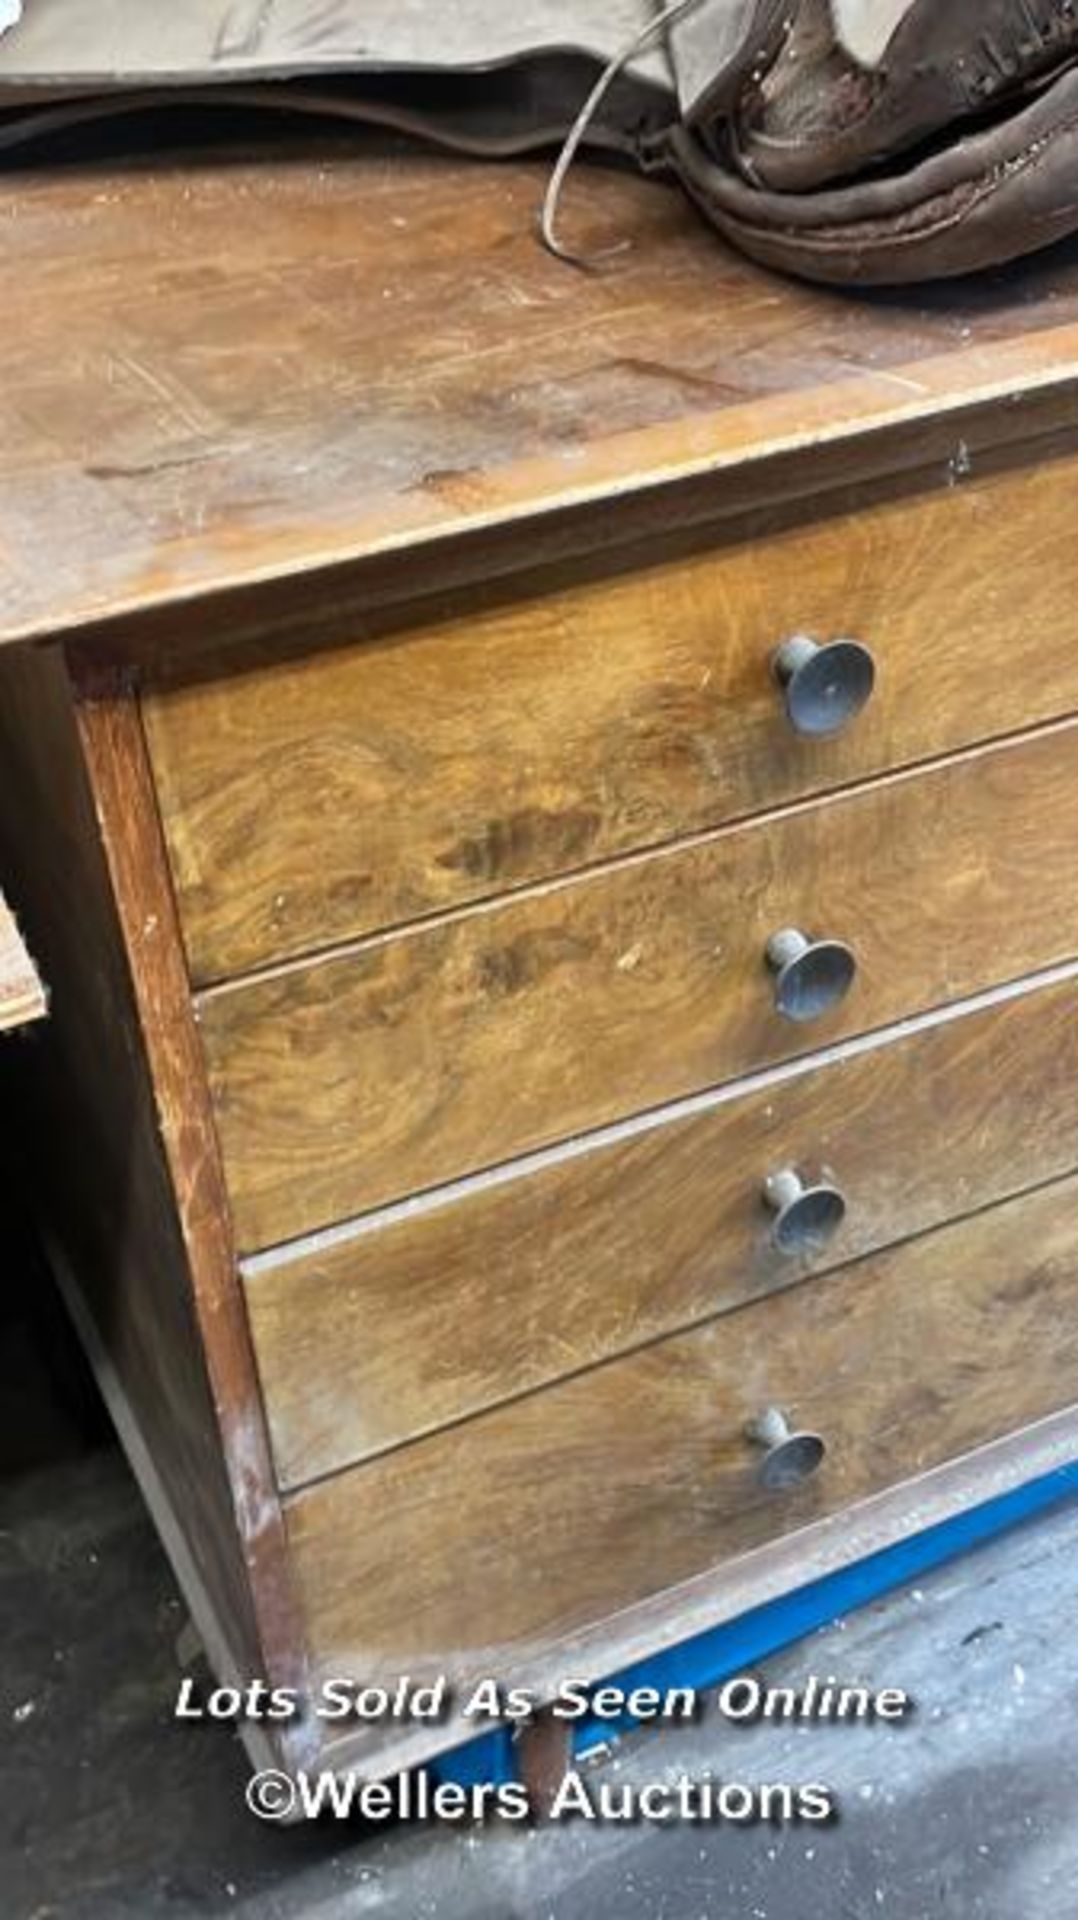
<point x="714" y="47"/>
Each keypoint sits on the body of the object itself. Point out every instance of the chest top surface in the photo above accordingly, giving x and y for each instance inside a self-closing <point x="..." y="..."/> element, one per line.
<point x="225" y="370"/>
<point x="21" y="995"/>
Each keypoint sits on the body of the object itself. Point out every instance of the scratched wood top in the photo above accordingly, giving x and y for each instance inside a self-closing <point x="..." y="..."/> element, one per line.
<point x="22" y="998"/>
<point x="224" y="369"/>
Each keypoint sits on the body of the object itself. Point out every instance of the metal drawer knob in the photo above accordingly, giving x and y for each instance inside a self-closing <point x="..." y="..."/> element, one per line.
<point x="825" y="686"/>
<point x="806" y="1217"/>
<point x="790" y="1458"/>
<point x="811" y="976"/>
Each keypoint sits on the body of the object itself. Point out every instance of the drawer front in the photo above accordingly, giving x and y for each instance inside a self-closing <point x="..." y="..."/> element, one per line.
<point x="424" y="1056"/>
<point x="416" y="1319"/>
<point x="465" y="1550"/>
<point x="309" y="803"/>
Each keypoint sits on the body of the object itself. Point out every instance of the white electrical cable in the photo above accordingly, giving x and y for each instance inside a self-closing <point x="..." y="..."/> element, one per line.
<point x="548" y="221"/>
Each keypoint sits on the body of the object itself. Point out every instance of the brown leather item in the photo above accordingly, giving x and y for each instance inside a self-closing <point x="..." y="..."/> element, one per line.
<point x="988" y="198"/>
<point x="953" y="150"/>
<point x="819" y="114"/>
<point x="856" y="141"/>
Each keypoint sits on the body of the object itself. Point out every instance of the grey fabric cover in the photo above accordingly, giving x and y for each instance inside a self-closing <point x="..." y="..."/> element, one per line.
<point x="539" y="57"/>
<point x="85" y="45"/>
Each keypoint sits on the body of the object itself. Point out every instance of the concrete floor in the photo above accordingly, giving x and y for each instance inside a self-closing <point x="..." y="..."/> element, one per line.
<point x="111" y="1811"/>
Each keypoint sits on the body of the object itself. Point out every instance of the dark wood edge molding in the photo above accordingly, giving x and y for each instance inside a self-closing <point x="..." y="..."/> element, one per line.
<point x="110" y="730"/>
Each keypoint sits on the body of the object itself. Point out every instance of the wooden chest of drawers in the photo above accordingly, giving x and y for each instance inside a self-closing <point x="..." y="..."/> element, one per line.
<point x="528" y="1009"/>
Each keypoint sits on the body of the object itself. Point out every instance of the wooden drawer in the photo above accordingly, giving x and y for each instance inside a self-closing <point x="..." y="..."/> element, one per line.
<point x="464" y="1550"/>
<point x="422" y="1056"/>
<point x="418" y="1317"/>
<point x="311" y="801"/>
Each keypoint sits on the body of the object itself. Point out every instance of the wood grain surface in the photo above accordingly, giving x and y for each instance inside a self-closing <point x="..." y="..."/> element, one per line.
<point x="413" y="1059"/>
<point x="249" y="367"/>
<point x="503" y="745"/>
<point x="22" y="996"/>
<point x="463" y="1551"/>
<point x="255" y="402"/>
<point x="428" y="1314"/>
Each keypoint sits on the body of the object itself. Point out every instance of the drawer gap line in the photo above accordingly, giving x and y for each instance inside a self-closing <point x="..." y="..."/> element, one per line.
<point x="290" y="1489"/>
<point x="621" y="863"/>
<point x="619" y="1132"/>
